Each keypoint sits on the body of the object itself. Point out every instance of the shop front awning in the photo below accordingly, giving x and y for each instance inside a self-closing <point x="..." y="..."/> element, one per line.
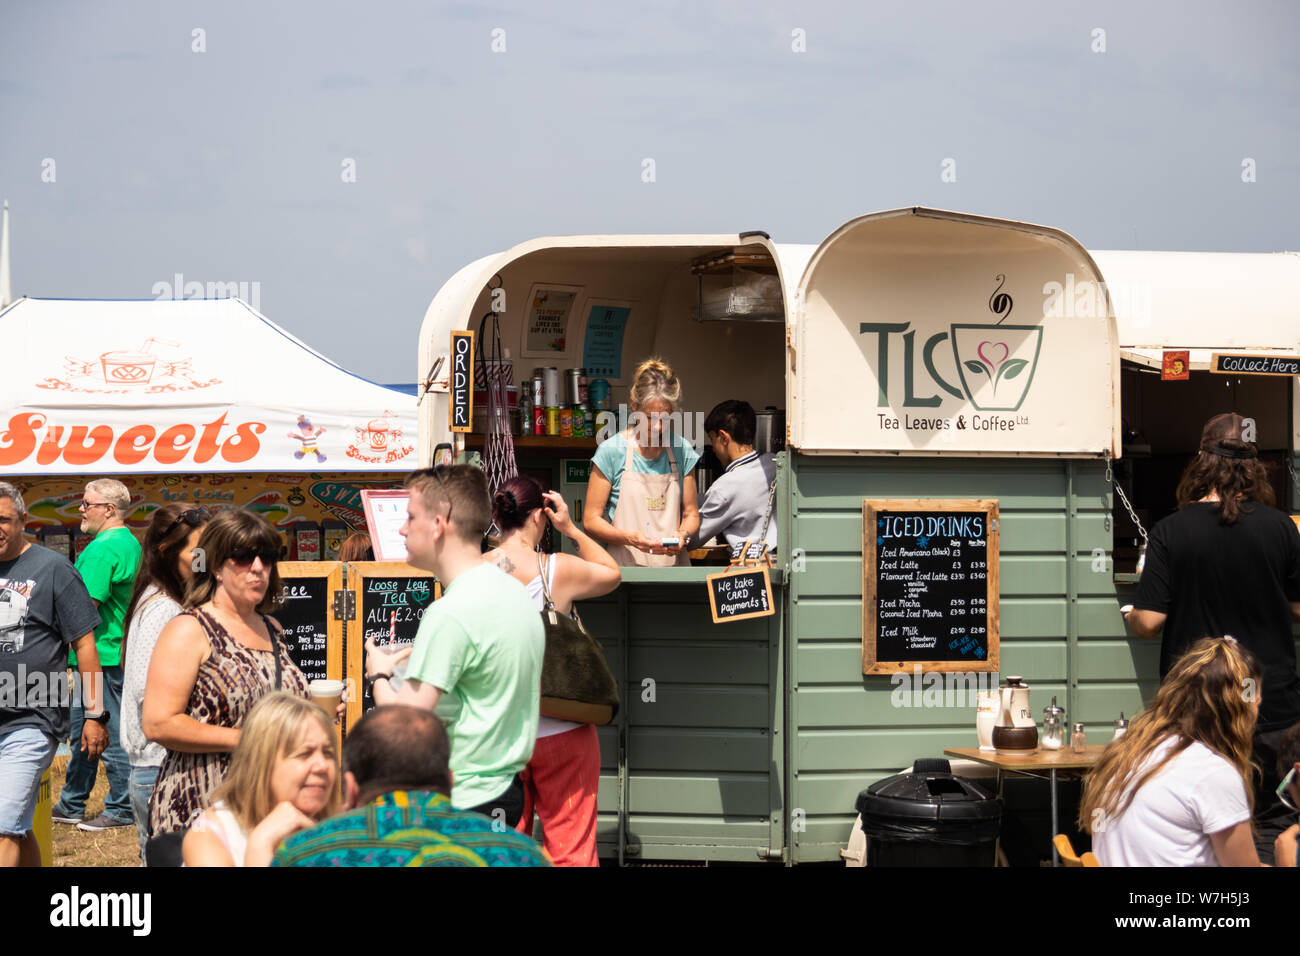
<point x="1203" y="302"/>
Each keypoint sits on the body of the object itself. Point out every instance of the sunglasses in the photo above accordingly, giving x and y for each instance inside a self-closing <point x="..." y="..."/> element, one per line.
<point x="195" y="518"/>
<point x="87" y="505"/>
<point x="440" y="473"/>
<point x="243" y="557"/>
<point x="1284" y="787"/>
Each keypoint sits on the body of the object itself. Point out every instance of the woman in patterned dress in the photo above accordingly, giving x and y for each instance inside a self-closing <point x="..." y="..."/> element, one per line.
<point x="213" y="663"/>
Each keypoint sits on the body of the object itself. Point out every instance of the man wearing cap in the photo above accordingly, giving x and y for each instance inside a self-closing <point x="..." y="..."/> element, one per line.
<point x="1227" y="564"/>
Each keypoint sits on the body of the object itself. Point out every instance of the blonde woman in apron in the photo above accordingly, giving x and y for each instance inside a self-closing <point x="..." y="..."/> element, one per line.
<point x="641" y="490"/>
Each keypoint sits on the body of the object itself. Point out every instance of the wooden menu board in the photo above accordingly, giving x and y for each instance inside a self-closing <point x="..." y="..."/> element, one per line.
<point x="390" y="600"/>
<point x="312" y="636"/>
<point x="929" y="585"/>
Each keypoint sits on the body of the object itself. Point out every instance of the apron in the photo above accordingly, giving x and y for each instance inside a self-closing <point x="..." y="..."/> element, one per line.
<point x="649" y="504"/>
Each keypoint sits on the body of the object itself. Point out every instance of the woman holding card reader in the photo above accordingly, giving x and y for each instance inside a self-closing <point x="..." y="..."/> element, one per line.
<point x="641" y="498"/>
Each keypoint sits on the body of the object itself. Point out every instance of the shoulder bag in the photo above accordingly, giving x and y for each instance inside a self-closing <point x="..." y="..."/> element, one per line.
<point x="576" y="681"/>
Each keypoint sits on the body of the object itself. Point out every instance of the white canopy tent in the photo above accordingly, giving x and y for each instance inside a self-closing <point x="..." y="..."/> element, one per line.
<point x="108" y="387"/>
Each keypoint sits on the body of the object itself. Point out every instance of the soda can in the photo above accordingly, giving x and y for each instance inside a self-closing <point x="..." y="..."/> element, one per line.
<point x="566" y="422"/>
<point x="574" y="381"/>
<point x="579" y="422"/>
<point x="551" y="397"/>
<point x="553" y="421"/>
<point x="538" y="397"/>
<point x="539" y="420"/>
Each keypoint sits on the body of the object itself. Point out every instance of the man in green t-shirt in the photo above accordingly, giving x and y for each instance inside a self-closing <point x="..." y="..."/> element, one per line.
<point x="107" y="566"/>
<point x="477" y="657"/>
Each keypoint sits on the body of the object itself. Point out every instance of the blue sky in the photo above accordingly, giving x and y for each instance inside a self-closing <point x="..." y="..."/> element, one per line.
<point x="227" y="165"/>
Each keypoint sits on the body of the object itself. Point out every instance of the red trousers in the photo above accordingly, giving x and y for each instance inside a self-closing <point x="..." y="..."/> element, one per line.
<point x="560" y="784"/>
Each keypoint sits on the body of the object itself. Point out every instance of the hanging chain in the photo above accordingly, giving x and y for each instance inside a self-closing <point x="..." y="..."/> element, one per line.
<point x="1110" y="479"/>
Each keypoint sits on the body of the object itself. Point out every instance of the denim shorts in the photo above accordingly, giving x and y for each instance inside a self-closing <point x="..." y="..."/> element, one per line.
<point x="25" y="755"/>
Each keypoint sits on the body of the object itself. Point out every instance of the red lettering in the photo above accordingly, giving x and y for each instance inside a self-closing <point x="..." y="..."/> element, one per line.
<point x="172" y="443"/>
<point x="244" y="445"/>
<point x="208" y="444"/>
<point x="75" y="451"/>
<point x="132" y="447"/>
<point x="19" y="440"/>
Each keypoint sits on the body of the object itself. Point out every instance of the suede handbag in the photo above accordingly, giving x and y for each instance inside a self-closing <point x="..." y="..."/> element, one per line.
<point x="577" y="683"/>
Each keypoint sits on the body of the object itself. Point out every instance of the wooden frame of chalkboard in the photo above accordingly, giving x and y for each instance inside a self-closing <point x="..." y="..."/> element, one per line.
<point x="312" y="635"/>
<point x="390" y="598"/>
<point x="460" y="404"/>
<point x="903" y="644"/>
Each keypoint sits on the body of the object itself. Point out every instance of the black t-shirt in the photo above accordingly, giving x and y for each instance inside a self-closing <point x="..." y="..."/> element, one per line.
<point x="1213" y="579"/>
<point x="44" y="607"/>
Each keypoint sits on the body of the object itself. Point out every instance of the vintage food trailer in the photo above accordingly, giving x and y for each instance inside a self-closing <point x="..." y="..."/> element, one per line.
<point x="942" y="359"/>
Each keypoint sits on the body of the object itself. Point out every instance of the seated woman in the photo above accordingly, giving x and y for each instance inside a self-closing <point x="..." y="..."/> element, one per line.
<point x="284" y="777"/>
<point x="563" y="774"/>
<point x="1176" y="789"/>
<point x="638" y="496"/>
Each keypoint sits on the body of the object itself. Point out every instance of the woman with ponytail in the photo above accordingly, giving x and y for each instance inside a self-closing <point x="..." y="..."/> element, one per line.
<point x="1228" y="562"/>
<point x="1175" y="789"/>
<point x="641" y="496"/>
<point x="563" y="775"/>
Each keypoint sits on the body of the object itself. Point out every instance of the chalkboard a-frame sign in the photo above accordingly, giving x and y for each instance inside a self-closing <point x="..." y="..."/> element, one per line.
<point x="930" y="585"/>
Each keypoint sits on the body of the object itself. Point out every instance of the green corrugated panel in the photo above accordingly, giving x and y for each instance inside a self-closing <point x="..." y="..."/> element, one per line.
<point x="721" y="751"/>
<point x="730" y="795"/>
<point x="677" y="705"/>
<point x="1111" y="660"/>
<point x="744" y="664"/>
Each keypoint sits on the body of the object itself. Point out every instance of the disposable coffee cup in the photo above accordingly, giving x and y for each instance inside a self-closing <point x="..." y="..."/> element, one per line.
<point x="326" y="694"/>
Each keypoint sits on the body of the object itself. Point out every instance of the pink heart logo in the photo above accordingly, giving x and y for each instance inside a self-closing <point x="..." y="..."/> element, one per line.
<point x="989" y="362"/>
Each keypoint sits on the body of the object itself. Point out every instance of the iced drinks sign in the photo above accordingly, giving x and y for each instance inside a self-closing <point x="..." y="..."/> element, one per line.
<point x="947" y="336"/>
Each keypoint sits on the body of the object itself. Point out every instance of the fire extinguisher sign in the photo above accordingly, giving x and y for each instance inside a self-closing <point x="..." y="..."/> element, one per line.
<point x="461" y="408"/>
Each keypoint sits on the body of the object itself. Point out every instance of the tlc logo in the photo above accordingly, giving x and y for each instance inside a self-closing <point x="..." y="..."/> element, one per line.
<point x="884" y="330"/>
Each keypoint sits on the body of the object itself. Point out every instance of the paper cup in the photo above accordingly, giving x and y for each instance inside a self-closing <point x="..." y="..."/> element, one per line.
<point x="326" y="694"/>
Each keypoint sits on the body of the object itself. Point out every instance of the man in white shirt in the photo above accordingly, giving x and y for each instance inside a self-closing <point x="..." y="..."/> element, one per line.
<point x="737" y="504"/>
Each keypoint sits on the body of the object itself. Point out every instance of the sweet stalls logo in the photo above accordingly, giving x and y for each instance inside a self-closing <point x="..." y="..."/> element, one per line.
<point x="28" y="438"/>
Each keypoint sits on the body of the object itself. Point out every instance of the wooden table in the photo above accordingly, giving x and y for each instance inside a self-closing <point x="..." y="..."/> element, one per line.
<point x="1041" y="764"/>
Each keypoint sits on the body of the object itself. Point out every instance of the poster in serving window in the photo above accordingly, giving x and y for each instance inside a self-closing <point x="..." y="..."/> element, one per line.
<point x="549" y="312"/>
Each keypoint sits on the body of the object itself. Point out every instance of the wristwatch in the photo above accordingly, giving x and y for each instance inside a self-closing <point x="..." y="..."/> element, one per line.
<point x="370" y="681"/>
<point x="100" y="718"/>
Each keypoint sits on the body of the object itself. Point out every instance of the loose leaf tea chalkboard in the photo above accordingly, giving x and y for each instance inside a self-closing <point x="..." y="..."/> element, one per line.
<point x="311" y="635"/>
<point x="391" y="598"/>
<point x="740" y="595"/>
<point x="929" y="585"/>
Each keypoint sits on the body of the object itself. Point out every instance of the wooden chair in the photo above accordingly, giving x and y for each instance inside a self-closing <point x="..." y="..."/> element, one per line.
<point x="1068" y="857"/>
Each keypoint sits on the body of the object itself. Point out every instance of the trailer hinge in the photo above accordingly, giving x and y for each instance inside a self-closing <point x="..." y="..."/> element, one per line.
<point x="767" y="853"/>
<point x="993" y="524"/>
<point x="345" y="605"/>
<point x="798" y="560"/>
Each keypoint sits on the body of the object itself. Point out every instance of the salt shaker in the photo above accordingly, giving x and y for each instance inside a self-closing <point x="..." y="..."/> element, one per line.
<point x="1121" y="727"/>
<point x="1078" y="740"/>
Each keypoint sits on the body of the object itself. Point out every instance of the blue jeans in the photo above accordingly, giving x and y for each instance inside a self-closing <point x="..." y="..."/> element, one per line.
<point x="81" y="771"/>
<point x="25" y="754"/>
<point x="142" y="783"/>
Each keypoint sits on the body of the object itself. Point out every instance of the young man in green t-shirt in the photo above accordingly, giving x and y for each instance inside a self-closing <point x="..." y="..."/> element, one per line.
<point x="477" y="657"/>
<point x="107" y="566"/>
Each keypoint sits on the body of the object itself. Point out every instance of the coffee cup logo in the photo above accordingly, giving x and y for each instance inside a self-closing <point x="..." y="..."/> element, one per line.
<point x="996" y="362"/>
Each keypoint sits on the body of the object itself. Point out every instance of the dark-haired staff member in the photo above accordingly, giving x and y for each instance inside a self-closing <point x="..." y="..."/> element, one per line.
<point x="1227" y="563"/>
<point x="736" y="506"/>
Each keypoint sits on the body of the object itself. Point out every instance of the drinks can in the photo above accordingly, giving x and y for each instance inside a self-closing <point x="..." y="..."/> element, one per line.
<point x="576" y="386"/>
<point x="539" y="420"/>
<point x="566" y="422"/>
<point x="552" y="421"/>
<point x="538" y="397"/>
<point x="598" y="392"/>
<point x="551" y="397"/>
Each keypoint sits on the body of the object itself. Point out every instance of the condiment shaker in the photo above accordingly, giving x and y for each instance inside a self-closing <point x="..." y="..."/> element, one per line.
<point x="1121" y="727"/>
<point x="1078" y="739"/>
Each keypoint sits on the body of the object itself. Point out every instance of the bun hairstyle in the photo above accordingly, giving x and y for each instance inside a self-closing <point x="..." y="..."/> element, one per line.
<point x="655" y="382"/>
<point x="515" y="501"/>
<point x="1228" y="466"/>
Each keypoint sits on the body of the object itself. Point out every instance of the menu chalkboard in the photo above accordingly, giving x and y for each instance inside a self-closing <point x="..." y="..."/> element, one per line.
<point x="391" y="598"/>
<point x="929" y="585"/>
<point x="740" y="595"/>
<point x="312" y="636"/>
<point x="304" y="615"/>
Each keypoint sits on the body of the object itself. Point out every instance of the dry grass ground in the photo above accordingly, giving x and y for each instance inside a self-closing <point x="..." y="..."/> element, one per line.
<point x="73" y="847"/>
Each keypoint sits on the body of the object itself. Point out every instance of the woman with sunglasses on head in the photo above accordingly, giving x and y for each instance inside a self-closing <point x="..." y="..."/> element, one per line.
<point x="213" y="663"/>
<point x="1175" y="790"/>
<point x="165" y="572"/>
